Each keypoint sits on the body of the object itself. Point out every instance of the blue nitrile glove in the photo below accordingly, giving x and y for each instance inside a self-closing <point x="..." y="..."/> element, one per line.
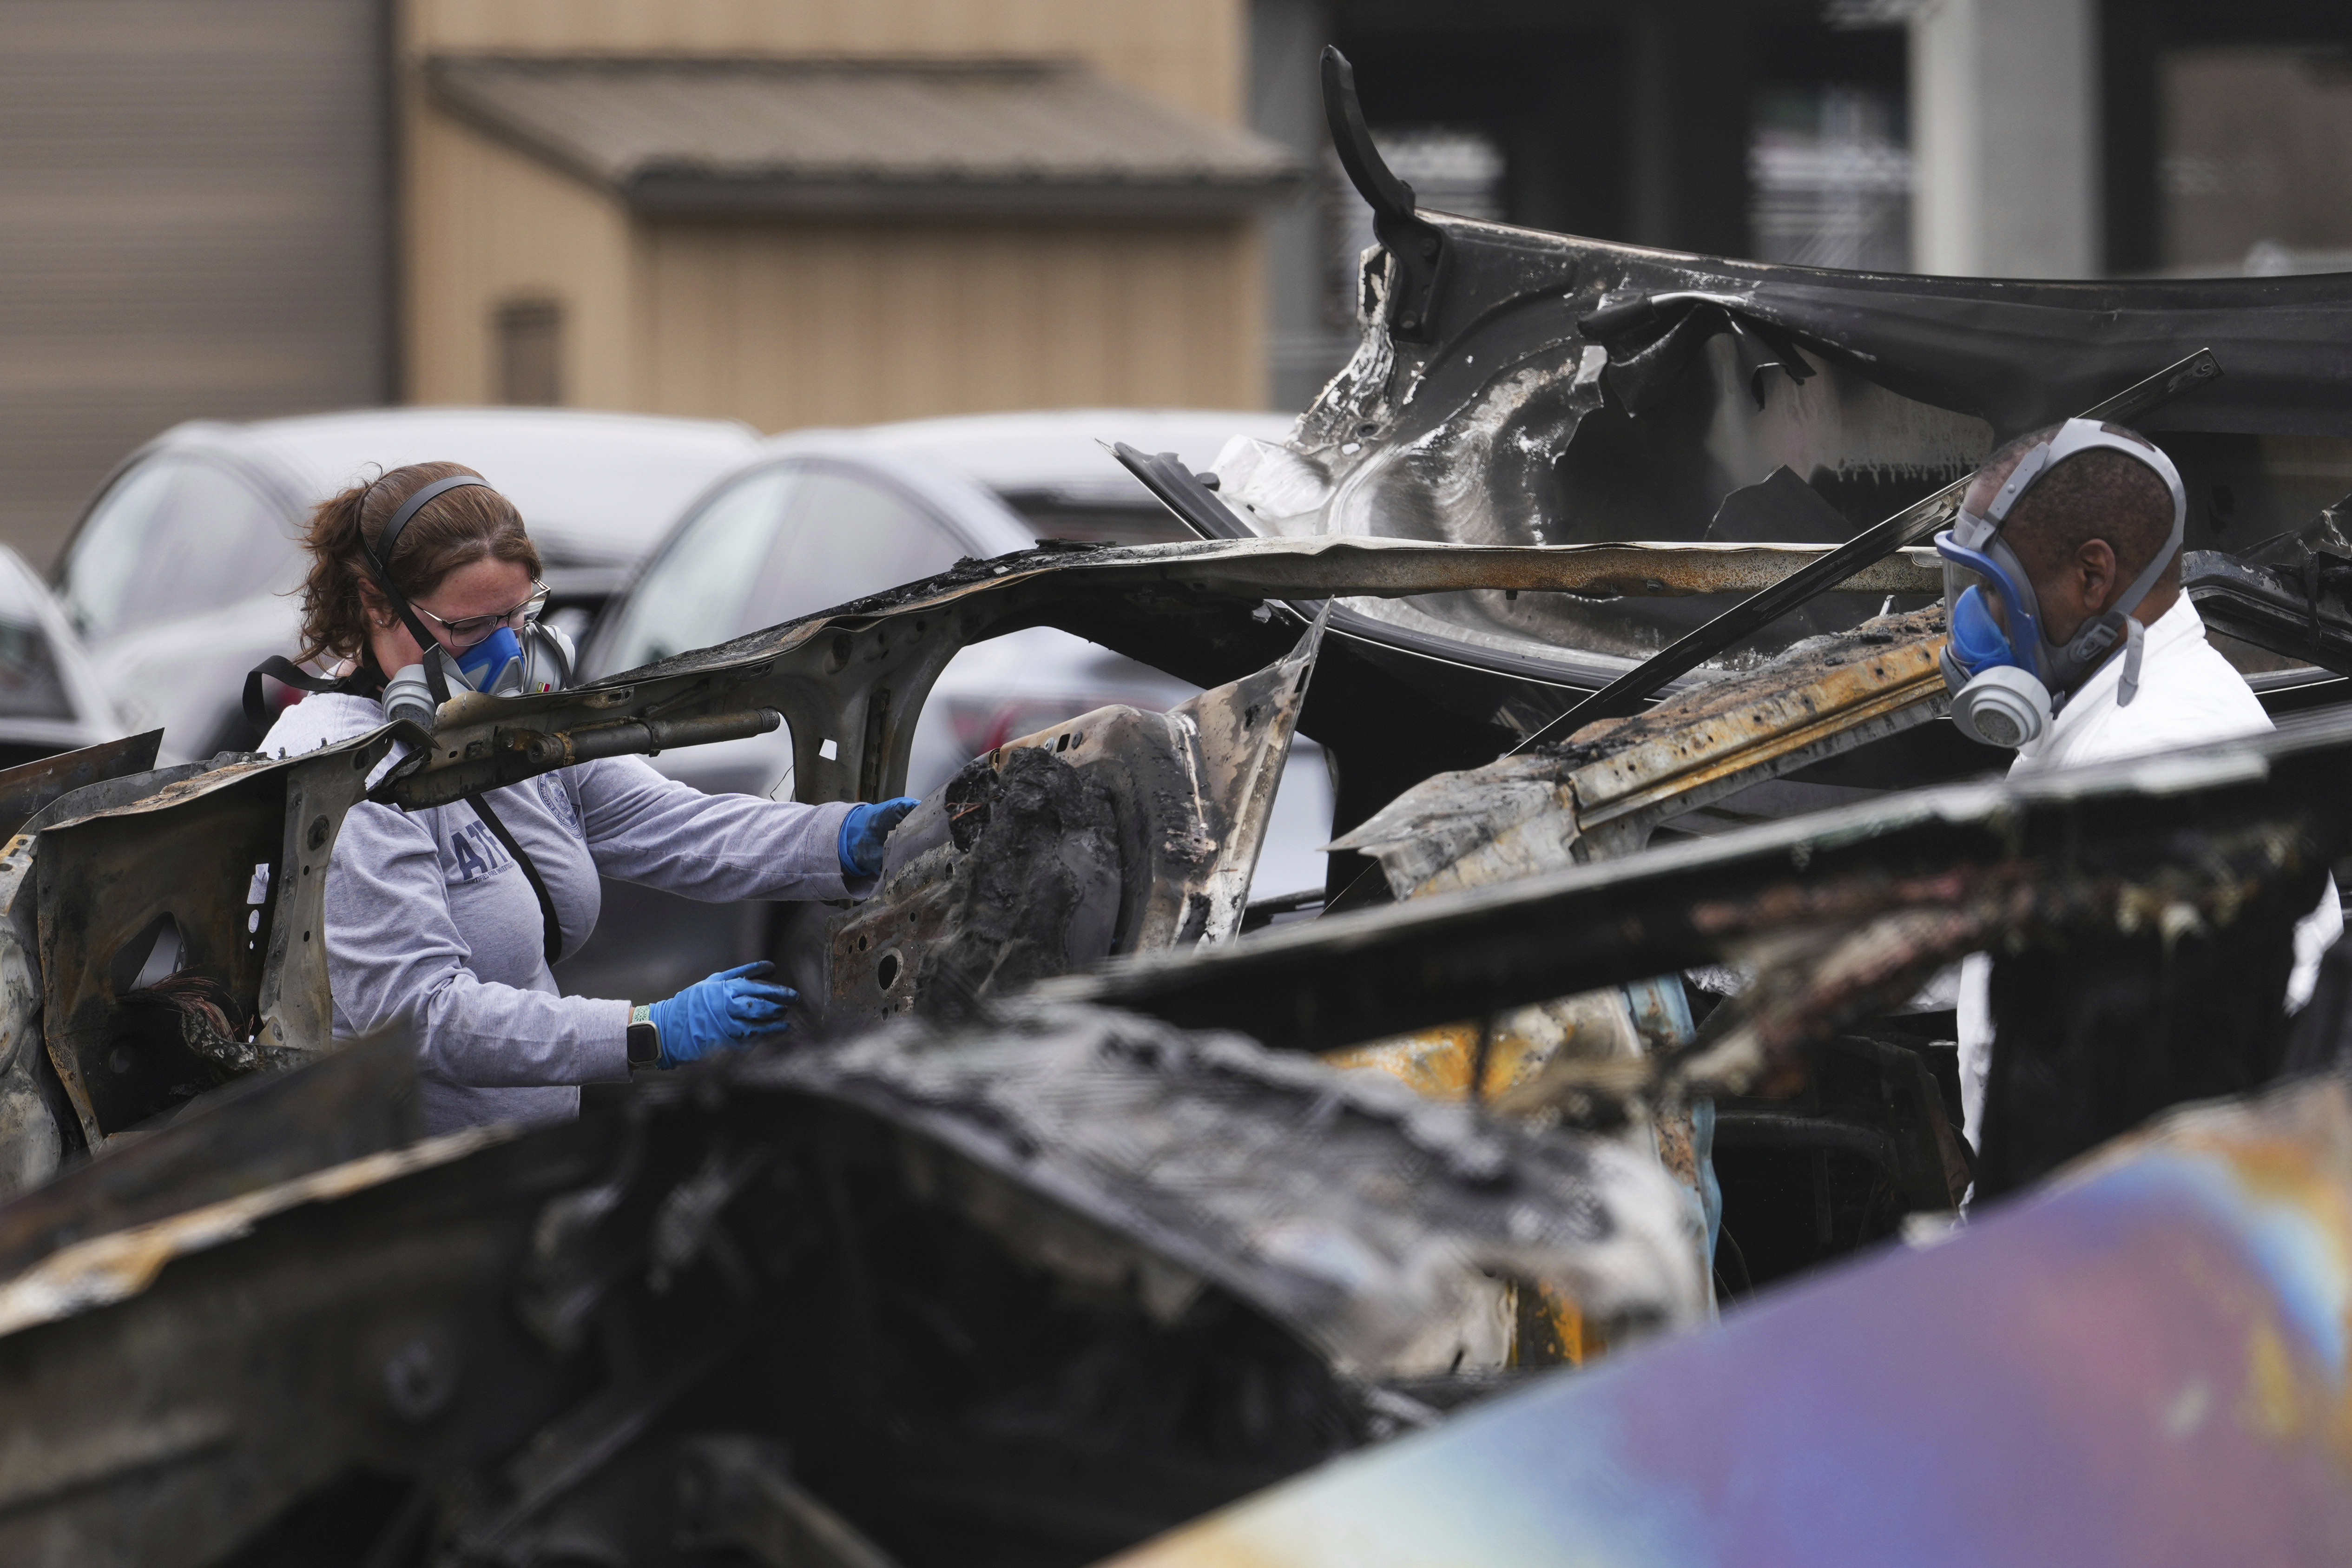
<point x="719" y="1014"/>
<point x="865" y="828"/>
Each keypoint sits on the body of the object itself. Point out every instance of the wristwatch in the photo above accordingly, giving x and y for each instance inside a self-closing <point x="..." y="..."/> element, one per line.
<point x="645" y="1038"/>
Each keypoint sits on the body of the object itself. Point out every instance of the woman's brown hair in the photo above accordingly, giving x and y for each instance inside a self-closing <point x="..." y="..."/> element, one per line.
<point x="455" y="528"/>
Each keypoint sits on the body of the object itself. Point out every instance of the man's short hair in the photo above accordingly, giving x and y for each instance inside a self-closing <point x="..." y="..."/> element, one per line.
<point x="2098" y="494"/>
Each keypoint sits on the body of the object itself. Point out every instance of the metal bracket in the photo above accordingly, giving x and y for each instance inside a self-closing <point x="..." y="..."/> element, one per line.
<point x="1416" y="248"/>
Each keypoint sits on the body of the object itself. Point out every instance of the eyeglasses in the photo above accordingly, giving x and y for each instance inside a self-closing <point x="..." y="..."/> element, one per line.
<point x="464" y="633"/>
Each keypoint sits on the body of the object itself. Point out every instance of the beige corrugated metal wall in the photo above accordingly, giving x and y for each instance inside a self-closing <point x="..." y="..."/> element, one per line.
<point x="790" y="324"/>
<point x="808" y="324"/>
<point x="490" y="225"/>
<point x="1190" y="53"/>
<point x="193" y="223"/>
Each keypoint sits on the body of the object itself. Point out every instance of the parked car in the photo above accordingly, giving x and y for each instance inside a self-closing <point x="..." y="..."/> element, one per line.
<point x="821" y="516"/>
<point x="51" y="699"/>
<point x="180" y="575"/>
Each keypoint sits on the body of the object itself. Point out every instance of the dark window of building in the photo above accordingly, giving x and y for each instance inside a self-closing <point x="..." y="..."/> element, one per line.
<point x="2255" y="166"/>
<point x="529" y="347"/>
<point x="1829" y="177"/>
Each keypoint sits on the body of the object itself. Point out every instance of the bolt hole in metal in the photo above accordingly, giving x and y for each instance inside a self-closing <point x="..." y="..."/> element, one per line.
<point x="887" y="970"/>
<point x="420" y="1380"/>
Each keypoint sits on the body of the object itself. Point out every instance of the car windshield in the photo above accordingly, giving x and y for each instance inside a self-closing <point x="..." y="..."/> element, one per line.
<point x="777" y="544"/>
<point x="32" y="681"/>
<point x="696" y="590"/>
<point x="177" y="532"/>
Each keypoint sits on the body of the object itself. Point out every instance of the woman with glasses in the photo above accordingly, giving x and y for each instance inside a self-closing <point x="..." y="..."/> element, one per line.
<point x="442" y="923"/>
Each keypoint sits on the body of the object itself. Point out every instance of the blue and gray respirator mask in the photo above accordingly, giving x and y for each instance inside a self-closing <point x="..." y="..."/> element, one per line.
<point x="504" y="664"/>
<point x="2007" y="679"/>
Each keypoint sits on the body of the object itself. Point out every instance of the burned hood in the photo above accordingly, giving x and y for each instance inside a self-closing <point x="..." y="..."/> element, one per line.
<point x="1515" y="387"/>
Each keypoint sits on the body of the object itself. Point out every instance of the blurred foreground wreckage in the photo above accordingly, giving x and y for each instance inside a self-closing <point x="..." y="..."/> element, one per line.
<point x="2144" y="1363"/>
<point x="1120" y="1250"/>
<point x="1064" y="1219"/>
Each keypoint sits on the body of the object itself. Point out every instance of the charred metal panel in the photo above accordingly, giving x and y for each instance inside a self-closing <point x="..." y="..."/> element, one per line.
<point x="264" y="1129"/>
<point x="1025" y="1294"/>
<point x="2291" y="595"/>
<point x="1116" y="832"/>
<point x="1170" y="1142"/>
<point x="1011" y="873"/>
<point x="233" y="858"/>
<point x="1599" y="794"/>
<point x="2174" y="880"/>
<point x="2145" y="1364"/>
<point x="26" y="790"/>
<point x="1552" y="389"/>
<point x="37" y="1124"/>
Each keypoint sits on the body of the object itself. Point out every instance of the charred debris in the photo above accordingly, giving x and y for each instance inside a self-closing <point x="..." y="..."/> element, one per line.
<point x="1090" y="1197"/>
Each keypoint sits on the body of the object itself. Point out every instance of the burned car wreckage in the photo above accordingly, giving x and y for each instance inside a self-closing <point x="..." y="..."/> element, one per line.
<point x="1088" y="1198"/>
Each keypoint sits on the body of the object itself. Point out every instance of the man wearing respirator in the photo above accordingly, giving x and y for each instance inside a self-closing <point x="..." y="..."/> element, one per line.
<point x="2072" y="642"/>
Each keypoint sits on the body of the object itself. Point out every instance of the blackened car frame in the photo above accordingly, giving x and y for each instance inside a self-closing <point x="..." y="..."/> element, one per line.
<point x="1065" y="1222"/>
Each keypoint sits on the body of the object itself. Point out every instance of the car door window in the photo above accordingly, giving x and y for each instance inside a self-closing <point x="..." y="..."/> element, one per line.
<point x="32" y="682"/>
<point x="176" y="536"/>
<point x="846" y="536"/>
<point x="699" y="590"/>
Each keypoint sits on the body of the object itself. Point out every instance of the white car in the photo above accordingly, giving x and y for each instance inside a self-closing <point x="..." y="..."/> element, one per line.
<point x="51" y="699"/>
<point x="181" y="574"/>
<point x="821" y="517"/>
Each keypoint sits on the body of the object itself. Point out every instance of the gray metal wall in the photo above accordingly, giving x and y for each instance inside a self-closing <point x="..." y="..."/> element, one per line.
<point x="194" y="221"/>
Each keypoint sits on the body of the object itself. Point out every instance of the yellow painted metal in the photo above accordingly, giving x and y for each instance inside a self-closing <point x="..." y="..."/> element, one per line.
<point x="1737" y="738"/>
<point x="1548" y="1327"/>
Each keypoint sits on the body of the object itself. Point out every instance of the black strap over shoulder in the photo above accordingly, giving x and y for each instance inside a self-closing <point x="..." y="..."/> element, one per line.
<point x="552" y="937"/>
<point x="286" y="673"/>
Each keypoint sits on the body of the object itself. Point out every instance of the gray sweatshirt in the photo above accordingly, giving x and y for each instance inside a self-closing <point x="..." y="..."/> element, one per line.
<point x="433" y="931"/>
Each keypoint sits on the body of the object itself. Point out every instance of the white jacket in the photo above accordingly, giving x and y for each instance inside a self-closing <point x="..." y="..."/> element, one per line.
<point x="2189" y="696"/>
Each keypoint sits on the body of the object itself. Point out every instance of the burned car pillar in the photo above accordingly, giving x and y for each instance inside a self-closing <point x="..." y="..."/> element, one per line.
<point x="161" y="934"/>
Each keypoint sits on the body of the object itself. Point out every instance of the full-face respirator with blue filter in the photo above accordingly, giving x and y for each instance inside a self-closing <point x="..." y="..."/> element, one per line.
<point x="2007" y="679"/>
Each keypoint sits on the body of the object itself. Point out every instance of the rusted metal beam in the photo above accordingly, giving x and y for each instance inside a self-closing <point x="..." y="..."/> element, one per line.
<point x="1599" y="794"/>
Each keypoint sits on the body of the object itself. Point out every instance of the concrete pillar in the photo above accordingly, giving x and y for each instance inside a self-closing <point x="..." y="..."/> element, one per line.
<point x="2005" y="138"/>
<point x="1304" y="348"/>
